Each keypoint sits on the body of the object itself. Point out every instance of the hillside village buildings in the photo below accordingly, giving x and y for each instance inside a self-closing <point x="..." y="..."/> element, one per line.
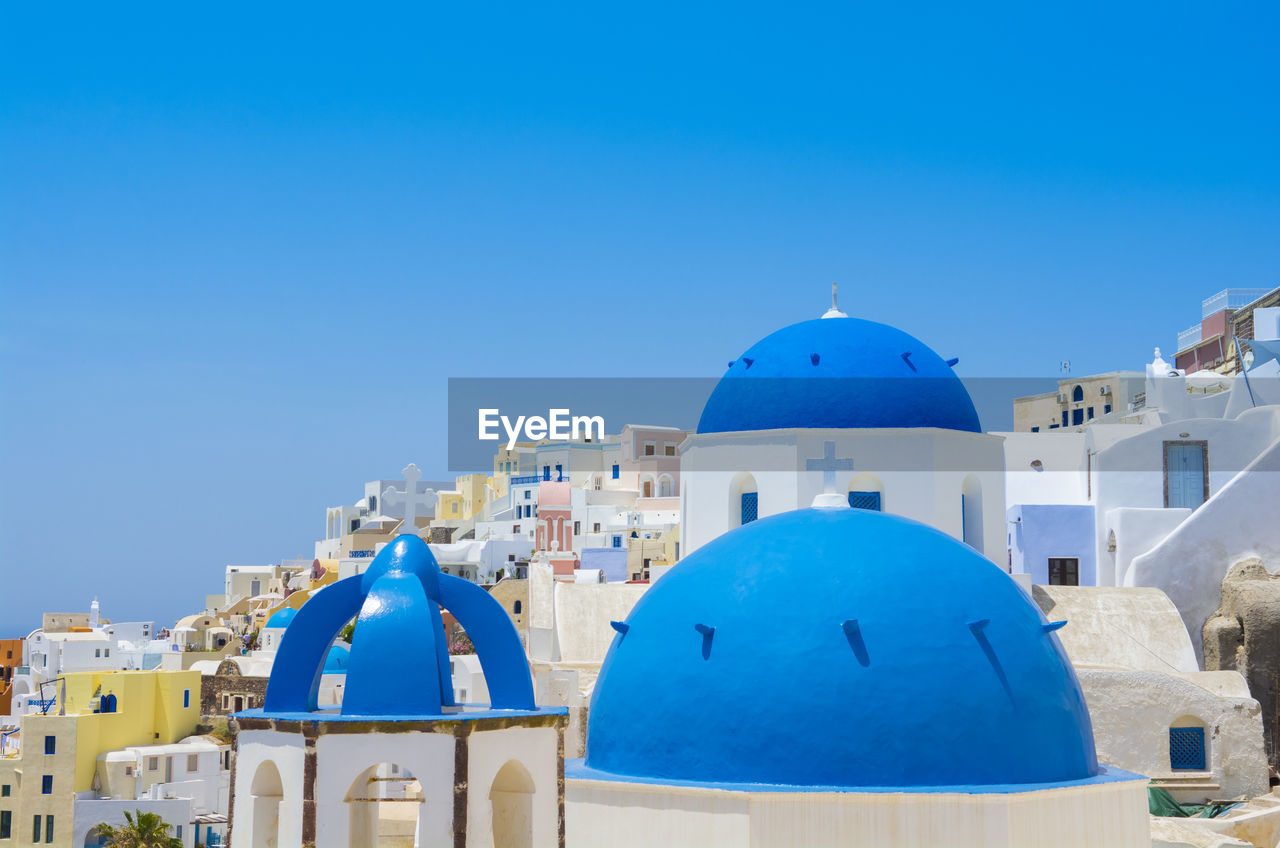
<point x="1094" y="618"/>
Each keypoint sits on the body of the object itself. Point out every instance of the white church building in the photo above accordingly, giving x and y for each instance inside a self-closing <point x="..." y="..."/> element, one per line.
<point x="851" y="403"/>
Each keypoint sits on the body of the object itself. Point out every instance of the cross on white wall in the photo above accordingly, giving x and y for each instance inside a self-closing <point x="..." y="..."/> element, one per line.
<point x="828" y="465"/>
<point x="410" y="498"/>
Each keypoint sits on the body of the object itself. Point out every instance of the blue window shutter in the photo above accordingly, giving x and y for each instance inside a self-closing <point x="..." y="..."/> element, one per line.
<point x="615" y="472"/>
<point x="1186" y="748"/>
<point x="865" y="500"/>
<point x="750" y="507"/>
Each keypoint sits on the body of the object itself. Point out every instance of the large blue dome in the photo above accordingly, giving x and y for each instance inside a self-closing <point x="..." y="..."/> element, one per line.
<point x="839" y="648"/>
<point x="839" y="373"/>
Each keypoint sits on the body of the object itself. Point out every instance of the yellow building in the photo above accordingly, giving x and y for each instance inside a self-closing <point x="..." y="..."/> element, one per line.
<point x="56" y="757"/>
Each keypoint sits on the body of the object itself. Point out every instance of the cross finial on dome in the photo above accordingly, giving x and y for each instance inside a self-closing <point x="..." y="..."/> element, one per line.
<point x="834" y="311"/>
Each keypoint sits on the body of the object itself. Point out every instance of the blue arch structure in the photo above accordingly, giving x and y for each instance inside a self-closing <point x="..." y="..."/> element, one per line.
<point x="399" y="663"/>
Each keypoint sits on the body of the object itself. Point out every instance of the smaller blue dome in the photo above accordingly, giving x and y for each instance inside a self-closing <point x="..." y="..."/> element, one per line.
<point x="282" y="618"/>
<point x="839" y="373"/>
<point x="335" y="662"/>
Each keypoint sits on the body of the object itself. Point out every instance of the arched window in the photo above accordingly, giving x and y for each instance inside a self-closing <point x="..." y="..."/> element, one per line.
<point x="866" y="492"/>
<point x="664" y="486"/>
<point x="971" y="513"/>
<point x="744" y="500"/>
<point x="1077" y="394"/>
<point x="377" y="802"/>
<point x="511" y="798"/>
<point x="264" y="815"/>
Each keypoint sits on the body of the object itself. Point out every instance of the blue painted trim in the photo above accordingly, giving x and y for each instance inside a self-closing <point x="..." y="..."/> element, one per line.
<point x="578" y="770"/>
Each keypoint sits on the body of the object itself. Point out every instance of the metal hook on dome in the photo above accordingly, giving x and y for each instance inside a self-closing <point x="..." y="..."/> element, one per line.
<point x="1054" y="625"/>
<point x="906" y="357"/>
<point x="707" y="632"/>
<point x="853" y="633"/>
<point x="620" y="626"/>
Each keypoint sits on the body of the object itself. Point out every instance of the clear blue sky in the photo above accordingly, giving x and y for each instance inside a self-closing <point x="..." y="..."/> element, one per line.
<point x="242" y="248"/>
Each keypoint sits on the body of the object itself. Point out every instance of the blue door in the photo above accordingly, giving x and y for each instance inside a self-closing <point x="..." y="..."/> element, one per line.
<point x="1186" y="475"/>
<point x="750" y="507"/>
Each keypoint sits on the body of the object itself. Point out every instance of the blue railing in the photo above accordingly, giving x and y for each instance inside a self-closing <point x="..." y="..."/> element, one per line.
<point x="524" y="481"/>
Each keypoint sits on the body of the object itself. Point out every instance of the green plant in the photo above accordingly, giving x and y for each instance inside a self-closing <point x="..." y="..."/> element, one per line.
<point x="348" y="632"/>
<point x="147" y="830"/>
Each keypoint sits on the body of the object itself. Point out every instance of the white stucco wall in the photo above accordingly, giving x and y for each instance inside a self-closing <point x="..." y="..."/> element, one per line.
<point x="341" y="758"/>
<point x="1130" y="472"/>
<point x="644" y="816"/>
<point x="922" y="472"/>
<point x="1132" y="712"/>
<point x="285" y="750"/>
<point x="535" y="749"/>
<point x="1135" y="530"/>
<point x="1060" y="478"/>
<point x="1242" y="520"/>
<point x="582" y="615"/>
<point x="1118" y="628"/>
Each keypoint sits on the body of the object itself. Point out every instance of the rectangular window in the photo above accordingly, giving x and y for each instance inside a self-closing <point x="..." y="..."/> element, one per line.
<point x="153" y="763"/>
<point x="1089" y="414"/>
<point x="1186" y="748"/>
<point x="48" y="828"/>
<point x="528" y="493"/>
<point x="595" y="528"/>
<point x="1064" y="417"/>
<point x="617" y="541"/>
<point x="1064" y="571"/>
<point x="4" y="791"/>
<point x="559" y="472"/>
<point x="750" y="507"/>
<point x="97" y="653"/>
<point x="650" y="448"/>
<point x="615" y="472"/>
<point x="193" y="762"/>
<point x="1035" y="429"/>
<point x="35" y="828"/>
<point x="106" y="652"/>
<point x="50" y="744"/>
<point x="1077" y="417"/>
<point x="6" y="824"/>
<point x="1106" y="409"/>
<point x="1186" y="474"/>
<point x="546" y="472"/>
<point x="577" y="528"/>
<point x="669" y="449"/>
<point x="515" y="528"/>
<point x="186" y="699"/>
<point x="46" y="784"/>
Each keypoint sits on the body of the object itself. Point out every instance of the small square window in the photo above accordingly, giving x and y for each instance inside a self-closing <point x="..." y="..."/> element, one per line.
<point x="97" y="653"/>
<point x="669" y="449"/>
<point x="153" y="763"/>
<point x="1186" y="748"/>
<point x="106" y="652"/>
<point x="650" y="448"/>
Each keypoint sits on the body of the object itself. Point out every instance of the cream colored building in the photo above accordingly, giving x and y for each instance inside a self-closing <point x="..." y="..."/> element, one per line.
<point x="1078" y="401"/>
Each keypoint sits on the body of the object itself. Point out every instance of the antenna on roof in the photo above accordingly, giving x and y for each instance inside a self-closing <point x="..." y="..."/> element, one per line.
<point x="834" y="311"/>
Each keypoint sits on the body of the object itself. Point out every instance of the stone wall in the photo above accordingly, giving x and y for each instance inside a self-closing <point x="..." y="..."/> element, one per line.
<point x="1244" y="636"/>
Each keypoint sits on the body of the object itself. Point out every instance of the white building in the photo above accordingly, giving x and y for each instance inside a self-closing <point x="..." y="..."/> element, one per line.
<point x="848" y="403"/>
